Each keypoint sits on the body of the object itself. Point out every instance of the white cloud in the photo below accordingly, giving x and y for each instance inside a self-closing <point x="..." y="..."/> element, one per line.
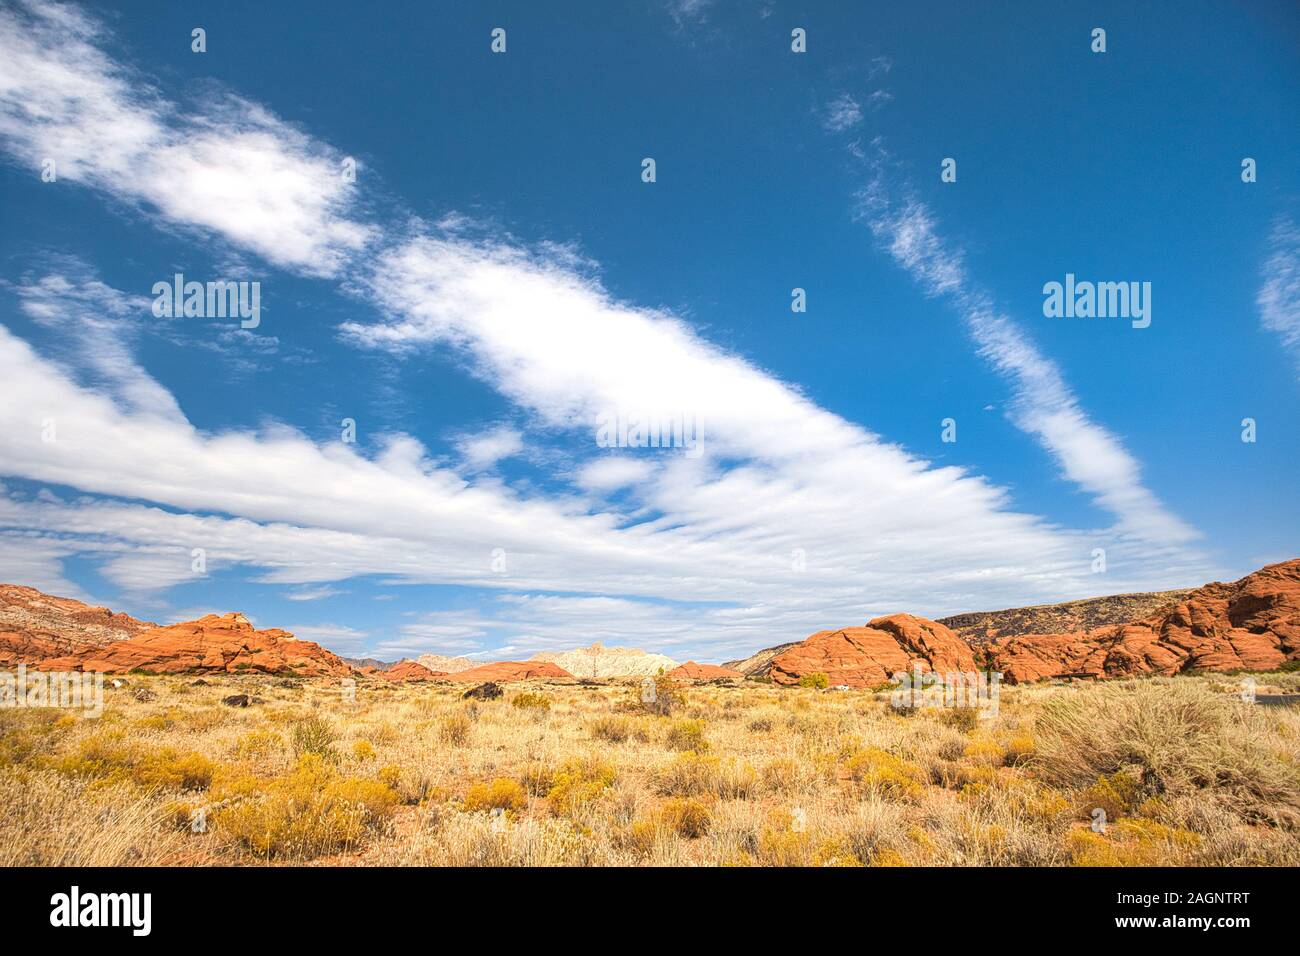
<point x="37" y="561"/>
<point x="1279" y="296"/>
<point x="343" y="640"/>
<point x="610" y="474"/>
<point x="485" y="450"/>
<point x="97" y="325"/>
<point x="842" y="113"/>
<point x="313" y="594"/>
<point x="686" y="12"/>
<point x="229" y="168"/>
<point x="1045" y="407"/>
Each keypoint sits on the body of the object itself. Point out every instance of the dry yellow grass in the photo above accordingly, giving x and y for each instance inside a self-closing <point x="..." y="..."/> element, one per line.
<point x="560" y="773"/>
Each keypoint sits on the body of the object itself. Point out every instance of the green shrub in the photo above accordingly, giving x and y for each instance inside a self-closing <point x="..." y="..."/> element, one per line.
<point x="579" y="782"/>
<point x="614" y="729"/>
<point x="306" y="813"/>
<point x="500" y="794"/>
<point x="454" y="729"/>
<point x="964" y="719"/>
<point x="530" y="701"/>
<point x="687" y="818"/>
<point x="315" y="735"/>
<point x="687" y="735"/>
<point x="108" y="757"/>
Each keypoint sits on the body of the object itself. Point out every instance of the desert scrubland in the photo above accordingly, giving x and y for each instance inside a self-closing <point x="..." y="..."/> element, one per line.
<point x="1157" y="770"/>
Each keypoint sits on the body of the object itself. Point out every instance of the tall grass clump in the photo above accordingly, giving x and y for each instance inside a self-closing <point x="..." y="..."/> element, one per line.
<point x="1173" y="737"/>
<point x="314" y="735"/>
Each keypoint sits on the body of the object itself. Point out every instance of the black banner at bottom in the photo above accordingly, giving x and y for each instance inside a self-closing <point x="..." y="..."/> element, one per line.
<point x="302" y="905"/>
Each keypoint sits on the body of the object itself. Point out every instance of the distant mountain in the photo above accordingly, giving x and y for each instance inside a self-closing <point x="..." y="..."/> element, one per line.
<point x="446" y="665"/>
<point x="601" y="661"/>
<point x="982" y="626"/>
<point x="376" y="663"/>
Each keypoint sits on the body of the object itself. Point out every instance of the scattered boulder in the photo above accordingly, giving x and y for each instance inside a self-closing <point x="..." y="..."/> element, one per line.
<point x="143" y="694"/>
<point x="198" y="682"/>
<point x="237" y="700"/>
<point x="489" y="690"/>
<point x="869" y="656"/>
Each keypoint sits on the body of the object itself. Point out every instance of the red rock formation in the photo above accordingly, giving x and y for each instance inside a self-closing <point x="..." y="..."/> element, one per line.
<point x="508" y="671"/>
<point x="1252" y="624"/>
<point x="871" y="655"/>
<point x="35" y="626"/>
<point x="693" y="671"/>
<point x="216" y="643"/>
<point x="407" y="671"/>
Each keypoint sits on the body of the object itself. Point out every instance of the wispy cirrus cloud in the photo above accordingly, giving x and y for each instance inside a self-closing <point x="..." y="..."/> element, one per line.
<point x="98" y="325"/>
<point x="842" y="113"/>
<point x="313" y="594"/>
<point x="1088" y="454"/>
<point x="230" y="169"/>
<point x="1279" y="295"/>
<point x="686" y="12"/>
<point x="347" y="641"/>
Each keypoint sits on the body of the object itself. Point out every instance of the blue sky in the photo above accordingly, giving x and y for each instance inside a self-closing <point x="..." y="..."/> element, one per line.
<point x="498" y="277"/>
